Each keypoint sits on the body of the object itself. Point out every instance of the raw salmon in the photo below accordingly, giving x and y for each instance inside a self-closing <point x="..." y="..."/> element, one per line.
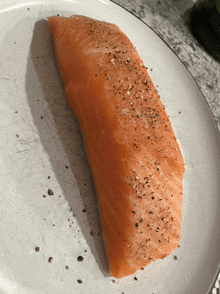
<point x="132" y="151"/>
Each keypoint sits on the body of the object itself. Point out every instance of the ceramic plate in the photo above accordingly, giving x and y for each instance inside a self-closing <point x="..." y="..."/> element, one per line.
<point x="48" y="209"/>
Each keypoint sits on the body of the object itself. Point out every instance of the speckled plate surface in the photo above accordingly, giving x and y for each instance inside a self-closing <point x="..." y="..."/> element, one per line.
<point x="48" y="209"/>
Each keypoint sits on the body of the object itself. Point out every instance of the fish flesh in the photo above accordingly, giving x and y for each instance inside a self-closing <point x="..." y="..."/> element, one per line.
<point x="135" y="159"/>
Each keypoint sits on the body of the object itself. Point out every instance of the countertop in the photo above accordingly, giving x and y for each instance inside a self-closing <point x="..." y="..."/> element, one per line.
<point x="170" y="20"/>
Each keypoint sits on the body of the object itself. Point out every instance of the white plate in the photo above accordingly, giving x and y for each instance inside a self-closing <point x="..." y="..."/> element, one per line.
<point x="34" y="148"/>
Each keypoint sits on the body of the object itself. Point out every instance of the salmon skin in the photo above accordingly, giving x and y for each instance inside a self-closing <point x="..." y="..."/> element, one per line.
<point x="131" y="148"/>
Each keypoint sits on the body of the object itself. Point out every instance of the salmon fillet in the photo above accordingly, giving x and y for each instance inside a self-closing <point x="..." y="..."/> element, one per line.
<point x="131" y="148"/>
